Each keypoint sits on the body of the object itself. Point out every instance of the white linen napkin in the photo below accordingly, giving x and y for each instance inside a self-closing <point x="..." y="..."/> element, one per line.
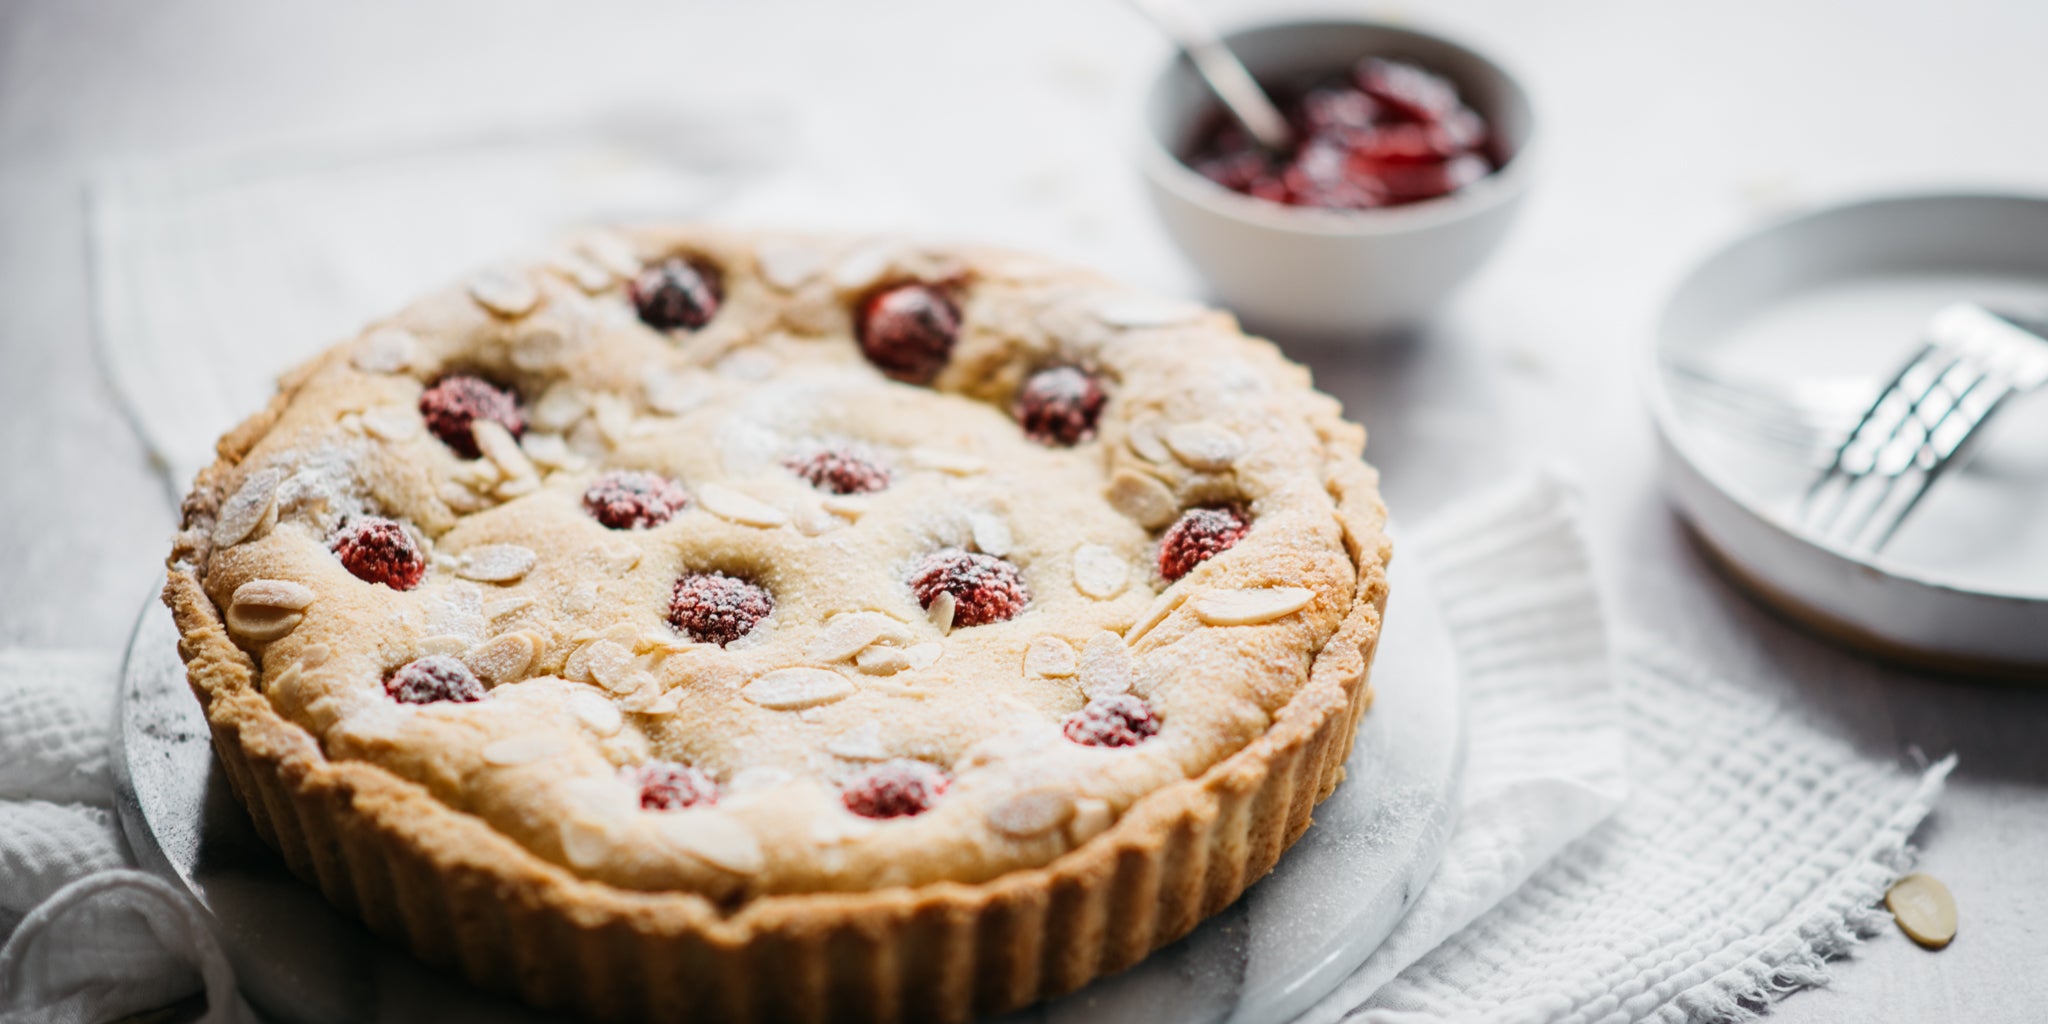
<point x="98" y="941"/>
<point x="213" y="275"/>
<point x="1747" y="848"/>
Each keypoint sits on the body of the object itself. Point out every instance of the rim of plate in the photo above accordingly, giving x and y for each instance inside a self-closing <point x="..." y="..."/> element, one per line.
<point x="1679" y="437"/>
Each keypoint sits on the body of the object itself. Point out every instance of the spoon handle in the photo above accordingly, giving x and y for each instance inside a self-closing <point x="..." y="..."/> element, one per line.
<point x="1226" y="75"/>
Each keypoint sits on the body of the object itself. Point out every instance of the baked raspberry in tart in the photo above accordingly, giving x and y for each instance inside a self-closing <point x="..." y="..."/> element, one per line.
<point x="757" y="627"/>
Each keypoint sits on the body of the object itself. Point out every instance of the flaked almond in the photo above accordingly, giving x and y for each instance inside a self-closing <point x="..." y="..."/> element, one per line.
<point x="734" y="506"/>
<point x="596" y="714"/>
<point x="674" y="395"/>
<point x="559" y="408"/>
<point x="618" y="559"/>
<point x="787" y="265"/>
<point x="314" y="655"/>
<point x="516" y="487"/>
<point x="496" y="563"/>
<point x="586" y="841"/>
<point x="1106" y="666"/>
<point x="1142" y="497"/>
<point x="850" y="506"/>
<point x="251" y="511"/>
<point x="394" y="423"/>
<point x="541" y="347"/>
<point x="1252" y="606"/>
<point x="1924" y="909"/>
<point x="1204" y="446"/>
<point x="604" y="662"/>
<point x="663" y="642"/>
<point x="882" y="661"/>
<point x="525" y="748"/>
<point x="581" y="270"/>
<point x="1092" y="817"/>
<point x="864" y="266"/>
<point x="504" y="658"/>
<point x="441" y="643"/>
<point x="991" y="534"/>
<point x="1031" y="813"/>
<point x="499" y="446"/>
<point x="924" y="655"/>
<point x="941" y="611"/>
<point x="460" y="499"/>
<point x="386" y="350"/>
<point x="549" y="450"/>
<point x="581" y="599"/>
<point x="716" y="838"/>
<point x="504" y="291"/>
<point x="507" y="606"/>
<point x="793" y="689"/>
<point x="644" y="697"/>
<point x="614" y="419"/>
<point x="1146" y="441"/>
<point x="1161" y="607"/>
<point x="1099" y="571"/>
<point x="611" y="252"/>
<point x="477" y="474"/>
<point x="846" y="635"/>
<point x="1051" y="657"/>
<point x="862" y="743"/>
<point x="263" y="610"/>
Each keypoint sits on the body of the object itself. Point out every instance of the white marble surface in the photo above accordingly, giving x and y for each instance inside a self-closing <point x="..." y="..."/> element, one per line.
<point x="1668" y="126"/>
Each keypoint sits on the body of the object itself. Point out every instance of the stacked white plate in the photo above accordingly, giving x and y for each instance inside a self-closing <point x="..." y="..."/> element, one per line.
<point x="1814" y="314"/>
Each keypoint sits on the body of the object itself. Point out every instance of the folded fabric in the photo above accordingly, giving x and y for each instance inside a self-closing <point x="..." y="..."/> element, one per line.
<point x="1750" y="847"/>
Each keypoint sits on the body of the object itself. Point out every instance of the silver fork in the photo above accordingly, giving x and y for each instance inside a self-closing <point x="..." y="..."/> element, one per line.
<point x="1922" y="423"/>
<point x="1801" y="420"/>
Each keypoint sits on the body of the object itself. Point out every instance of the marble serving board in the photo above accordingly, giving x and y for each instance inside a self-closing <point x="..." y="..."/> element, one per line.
<point x="1333" y="898"/>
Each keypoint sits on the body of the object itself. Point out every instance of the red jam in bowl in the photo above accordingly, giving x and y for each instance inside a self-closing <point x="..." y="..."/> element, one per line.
<point x="1386" y="133"/>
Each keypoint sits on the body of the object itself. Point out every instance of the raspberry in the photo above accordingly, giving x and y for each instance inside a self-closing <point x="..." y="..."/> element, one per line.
<point x="628" y="499"/>
<point x="1201" y="534"/>
<point x="432" y="680"/>
<point x="985" y="588"/>
<point x="908" y="331"/>
<point x="1409" y="90"/>
<point x="676" y="293"/>
<point x="378" y="550"/>
<point x="841" y="469"/>
<point x="671" y="786"/>
<point x="456" y="402"/>
<point x="1119" y="720"/>
<point x="1059" y="406"/>
<point x="894" y="789"/>
<point x="713" y="608"/>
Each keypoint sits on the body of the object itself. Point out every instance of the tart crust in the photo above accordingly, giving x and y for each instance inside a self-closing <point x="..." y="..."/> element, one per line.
<point x="462" y="895"/>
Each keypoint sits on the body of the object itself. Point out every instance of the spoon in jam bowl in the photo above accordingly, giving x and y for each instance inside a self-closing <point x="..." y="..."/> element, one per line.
<point x="1226" y="76"/>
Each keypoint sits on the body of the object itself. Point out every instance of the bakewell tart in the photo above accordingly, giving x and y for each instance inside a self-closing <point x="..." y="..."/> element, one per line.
<point x="703" y="625"/>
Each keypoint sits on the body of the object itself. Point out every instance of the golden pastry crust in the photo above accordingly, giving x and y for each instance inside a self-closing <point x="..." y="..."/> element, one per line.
<point x="499" y="835"/>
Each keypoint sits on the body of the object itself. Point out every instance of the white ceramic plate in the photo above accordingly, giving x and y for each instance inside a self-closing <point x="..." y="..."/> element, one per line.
<point x="1821" y="309"/>
<point x="1292" y="937"/>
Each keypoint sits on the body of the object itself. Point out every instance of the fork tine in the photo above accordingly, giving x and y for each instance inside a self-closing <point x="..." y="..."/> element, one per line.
<point x="1834" y="465"/>
<point x="1952" y="456"/>
<point x="1827" y="506"/>
<point x="1924" y="450"/>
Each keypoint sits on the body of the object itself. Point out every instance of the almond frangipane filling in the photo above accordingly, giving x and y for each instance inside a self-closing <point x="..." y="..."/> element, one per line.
<point x="744" y="565"/>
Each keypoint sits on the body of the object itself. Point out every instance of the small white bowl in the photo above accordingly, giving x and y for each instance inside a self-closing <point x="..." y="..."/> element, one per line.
<point x="1296" y="271"/>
